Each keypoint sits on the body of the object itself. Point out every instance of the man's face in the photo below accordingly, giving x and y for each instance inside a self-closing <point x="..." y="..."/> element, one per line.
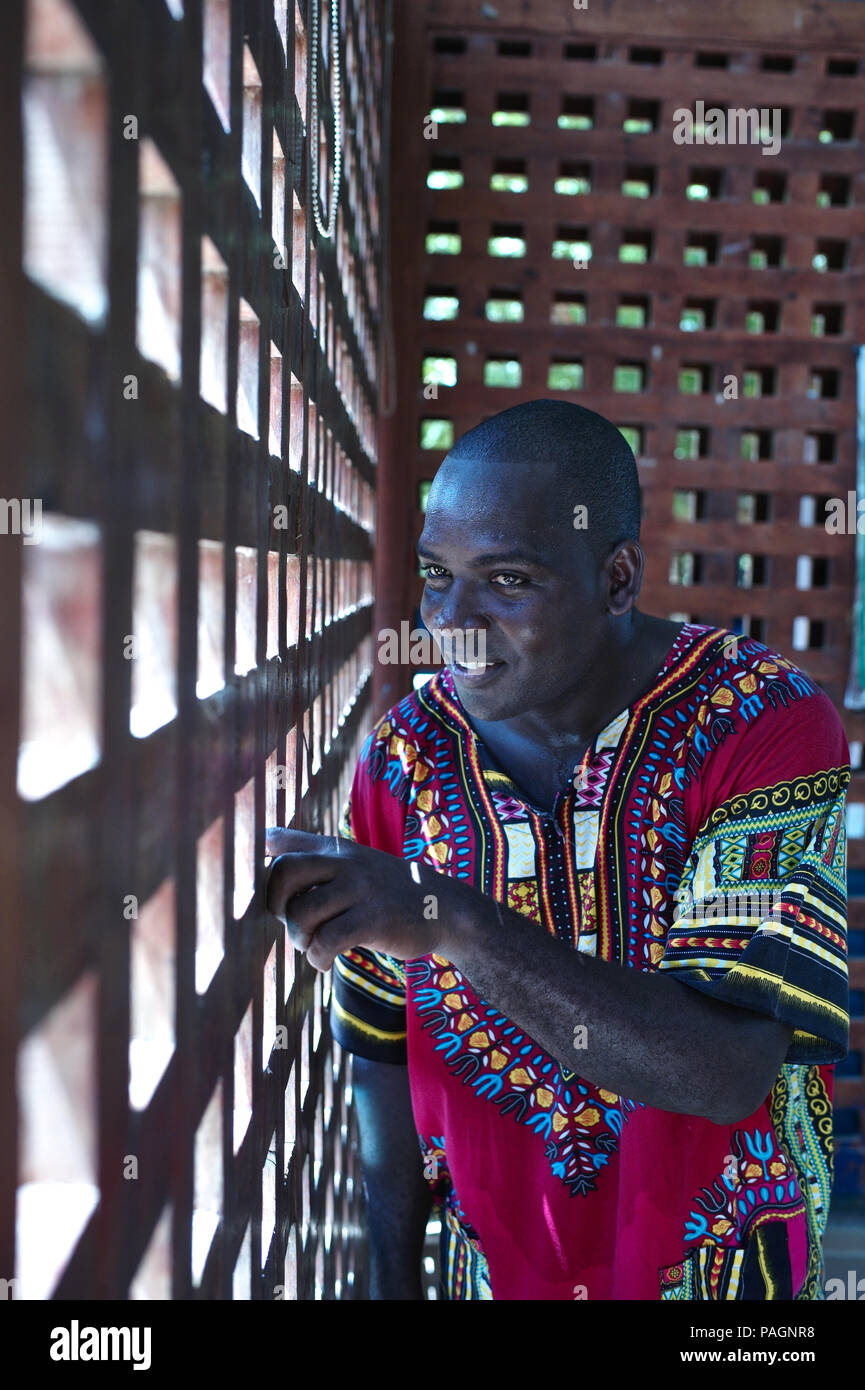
<point x="501" y="554"/>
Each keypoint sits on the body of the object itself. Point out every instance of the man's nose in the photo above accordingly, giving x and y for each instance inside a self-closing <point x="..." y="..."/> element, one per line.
<point x="460" y="608"/>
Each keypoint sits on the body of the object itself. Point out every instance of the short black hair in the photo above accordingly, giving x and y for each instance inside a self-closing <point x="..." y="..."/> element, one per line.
<point x="596" y="464"/>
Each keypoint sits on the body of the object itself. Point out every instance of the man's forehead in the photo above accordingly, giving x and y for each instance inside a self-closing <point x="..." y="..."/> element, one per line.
<point x="482" y="509"/>
<point x="517" y="469"/>
<point x="497" y="536"/>
<point x="500" y="493"/>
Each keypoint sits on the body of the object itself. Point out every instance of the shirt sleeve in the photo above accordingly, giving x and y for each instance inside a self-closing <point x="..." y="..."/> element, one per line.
<point x="761" y="914"/>
<point x="368" y="999"/>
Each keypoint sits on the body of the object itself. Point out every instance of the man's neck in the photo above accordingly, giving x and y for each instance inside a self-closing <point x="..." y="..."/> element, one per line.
<point x="628" y="672"/>
<point x="541" y="750"/>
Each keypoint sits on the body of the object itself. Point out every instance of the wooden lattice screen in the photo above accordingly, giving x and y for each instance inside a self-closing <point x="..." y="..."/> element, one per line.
<point x="555" y="240"/>
<point x="193" y="370"/>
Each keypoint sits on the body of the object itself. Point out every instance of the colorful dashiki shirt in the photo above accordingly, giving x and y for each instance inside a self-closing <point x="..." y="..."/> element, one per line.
<point x="706" y="838"/>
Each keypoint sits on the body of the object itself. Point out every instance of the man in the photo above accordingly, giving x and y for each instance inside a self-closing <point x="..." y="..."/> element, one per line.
<point x="606" y="990"/>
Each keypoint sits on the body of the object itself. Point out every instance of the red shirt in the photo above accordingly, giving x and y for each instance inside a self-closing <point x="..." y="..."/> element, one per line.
<point x="705" y="837"/>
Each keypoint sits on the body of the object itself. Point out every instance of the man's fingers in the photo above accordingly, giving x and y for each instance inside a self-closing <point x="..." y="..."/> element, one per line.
<point x="335" y="937"/>
<point x="294" y="873"/>
<point x="279" y="840"/>
<point x="308" y="911"/>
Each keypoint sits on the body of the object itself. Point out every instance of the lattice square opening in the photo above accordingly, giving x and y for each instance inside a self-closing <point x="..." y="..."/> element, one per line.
<point x="65" y="123"/>
<point x="755" y="445"/>
<point x="511" y="109"/>
<point x="632" y="311"/>
<point x="581" y="52"/>
<point x="636" y="438"/>
<point x="509" y="176"/>
<point x="301" y="62"/>
<point x="762" y="316"/>
<point x="704" y="183"/>
<point x="829" y="254"/>
<point x="837" y="126"/>
<point x="688" y="505"/>
<point x="152" y="998"/>
<point x="242" y="1079"/>
<point x="692" y="442"/>
<point x="574" y="178"/>
<point x="159" y="262"/>
<point x="568" y="307"/>
<point x="503" y="371"/>
<point x="824" y="383"/>
<point x="247" y="370"/>
<point x="777" y="62"/>
<point x="572" y="244"/>
<point x="153" y="643"/>
<point x="695" y="378"/>
<point x="636" y="246"/>
<point x="209" y="915"/>
<point x="833" y="191"/>
<point x="445" y="172"/>
<point x="443" y="239"/>
<point x="686" y="569"/>
<point x="57" y="1090"/>
<point x="448" y="106"/>
<point x="646" y="57"/>
<point x="449" y="45"/>
<point x="751" y="570"/>
<point x="441" y="303"/>
<point x="251" y="132"/>
<point x="766" y="252"/>
<point x="639" y="181"/>
<point x="507" y="239"/>
<point x="566" y="374"/>
<point x="769" y="188"/>
<point x="820" y="447"/>
<point x="208" y="1183"/>
<point x="827" y="320"/>
<point x="152" y="1280"/>
<point x="577" y="113"/>
<point x="759" y="381"/>
<point x="61" y="647"/>
<point x="214" y="327"/>
<point x="698" y="315"/>
<point x="709" y="58"/>
<point x="700" y="249"/>
<point x="643" y="116"/>
<point x="630" y="376"/>
<point x="216" y="21"/>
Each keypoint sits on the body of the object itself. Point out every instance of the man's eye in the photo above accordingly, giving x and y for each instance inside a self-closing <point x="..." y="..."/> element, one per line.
<point x="432" y="571"/>
<point x="512" y="581"/>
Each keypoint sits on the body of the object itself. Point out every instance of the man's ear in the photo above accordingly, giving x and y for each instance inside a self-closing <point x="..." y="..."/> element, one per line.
<point x="625" y="567"/>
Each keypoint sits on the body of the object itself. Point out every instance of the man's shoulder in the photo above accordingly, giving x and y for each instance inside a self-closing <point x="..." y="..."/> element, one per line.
<point x="759" y="718"/>
<point x="749" y="677"/>
<point x="418" y="721"/>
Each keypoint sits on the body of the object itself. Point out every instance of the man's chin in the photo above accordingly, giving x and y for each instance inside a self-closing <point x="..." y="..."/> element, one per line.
<point x="489" y="703"/>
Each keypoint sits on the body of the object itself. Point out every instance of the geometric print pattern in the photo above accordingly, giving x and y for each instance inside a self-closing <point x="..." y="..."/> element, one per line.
<point x="766" y="916"/>
<point x="742" y="897"/>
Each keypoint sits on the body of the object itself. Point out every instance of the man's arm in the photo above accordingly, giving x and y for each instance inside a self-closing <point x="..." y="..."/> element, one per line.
<point x="647" y="1036"/>
<point x="398" y="1196"/>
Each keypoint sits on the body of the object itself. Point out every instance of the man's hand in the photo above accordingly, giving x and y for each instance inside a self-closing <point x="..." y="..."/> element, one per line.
<point x="333" y="894"/>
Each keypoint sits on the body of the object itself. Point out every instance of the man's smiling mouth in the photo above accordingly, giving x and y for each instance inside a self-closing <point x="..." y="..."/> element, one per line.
<point x="475" y="671"/>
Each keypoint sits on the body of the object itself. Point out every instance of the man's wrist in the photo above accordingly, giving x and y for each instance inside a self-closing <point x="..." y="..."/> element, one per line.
<point x="465" y="926"/>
